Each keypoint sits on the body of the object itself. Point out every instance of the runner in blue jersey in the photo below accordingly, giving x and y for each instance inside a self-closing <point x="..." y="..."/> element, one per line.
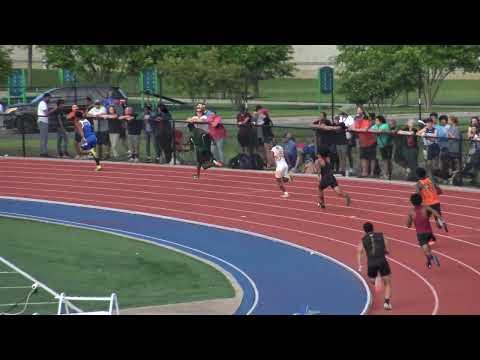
<point x="89" y="139"/>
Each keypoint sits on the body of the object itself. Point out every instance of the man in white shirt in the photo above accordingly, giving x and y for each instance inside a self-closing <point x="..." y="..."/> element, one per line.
<point x="281" y="171"/>
<point x="100" y="126"/>
<point x="42" y="121"/>
<point x="348" y="120"/>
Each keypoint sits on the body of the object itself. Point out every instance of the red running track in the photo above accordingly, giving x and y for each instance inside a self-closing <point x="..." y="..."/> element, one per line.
<point x="250" y="201"/>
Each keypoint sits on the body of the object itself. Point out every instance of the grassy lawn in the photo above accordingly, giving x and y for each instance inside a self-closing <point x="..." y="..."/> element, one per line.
<point x="89" y="263"/>
<point x="452" y="92"/>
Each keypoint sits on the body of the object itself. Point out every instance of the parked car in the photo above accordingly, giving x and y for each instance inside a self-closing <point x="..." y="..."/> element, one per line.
<point x="72" y="95"/>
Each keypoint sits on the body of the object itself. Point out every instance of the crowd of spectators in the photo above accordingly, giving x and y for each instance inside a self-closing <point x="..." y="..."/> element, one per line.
<point x="363" y="144"/>
<point x="381" y="144"/>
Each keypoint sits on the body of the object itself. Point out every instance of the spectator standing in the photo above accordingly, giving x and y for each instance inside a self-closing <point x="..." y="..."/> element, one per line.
<point x="109" y="100"/>
<point x="455" y="138"/>
<point x="88" y="104"/>
<point x="218" y="133"/>
<point x="100" y="127"/>
<point x="114" y="129"/>
<point x="244" y="123"/>
<point x="258" y="122"/>
<point x="78" y="139"/>
<point x="43" y="113"/>
<point x="163" y="132"/>
<point x="431" y="149"/>
<point x="62" y="135"/>
<point x="348" y="120"/>
<point x="268" y="140"/>
<point x="340" y="141"/>
<point x="200" y="118"/>
<point x="120" y="107"/>
<point x="473" y="127"/>
<point x="442" y="161"/>
<point x="290" y="150"/>
<point x="319" y="134"/>
<point x="149" y="131"/>
<point x="134" y="128"/>
<point x="384" y="144"/>
<point x="368" y="144"/>
<point x="410" y="148"/>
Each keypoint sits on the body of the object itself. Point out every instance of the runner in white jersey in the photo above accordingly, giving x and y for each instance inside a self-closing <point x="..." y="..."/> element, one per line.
<point x="281" y="172"/>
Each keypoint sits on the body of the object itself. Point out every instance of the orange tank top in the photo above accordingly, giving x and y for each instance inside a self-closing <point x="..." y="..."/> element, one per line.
<point x="428" y="192"/>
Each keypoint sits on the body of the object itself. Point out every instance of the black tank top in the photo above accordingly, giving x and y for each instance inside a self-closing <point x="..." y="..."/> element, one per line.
<point x="327" y="169"/>
<point x="374" y="246"/>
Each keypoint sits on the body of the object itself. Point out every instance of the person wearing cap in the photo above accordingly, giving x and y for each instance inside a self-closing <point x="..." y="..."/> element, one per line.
<point x="100" y="126"/>
<point x="201" y="142"/>
<point x="431" y="148"/>
<point x="43" y="114"/>
<point x="200" y="117"/>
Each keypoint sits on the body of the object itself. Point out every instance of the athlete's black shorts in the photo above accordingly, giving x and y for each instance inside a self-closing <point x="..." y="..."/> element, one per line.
<point x="78" y="138"/>
<point x="204" y="159"/>
<point x="376" y="267"/>
<point x="424" y="238"/>
<point x="328" y="181"/>
<point x="437" y="208"/>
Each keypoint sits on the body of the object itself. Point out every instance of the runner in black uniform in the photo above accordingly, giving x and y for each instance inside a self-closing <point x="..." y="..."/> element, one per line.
<point x="200" y="142"/>
<point x="375" y="247"/>
<point x="327" y="178"/>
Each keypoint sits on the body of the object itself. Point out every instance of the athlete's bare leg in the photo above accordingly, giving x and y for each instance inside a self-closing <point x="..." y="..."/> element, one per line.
<point x="343" y="194"/>
<point x="321" y="198"/>
<point x="280" y="182"/>
<point x="387" y="285"/>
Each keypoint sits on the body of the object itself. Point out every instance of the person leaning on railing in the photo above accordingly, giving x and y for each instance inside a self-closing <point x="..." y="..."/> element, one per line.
<point x="407" y="148"/>
<point x="384" y="144"/>
<point x="114" y="129"/>
<point x="244" y="136"/>
<point x="431" y="149"/>
<point x="454" y="150"/>
<point x="329" y="135"/>
<point x="472" y="165"/>
<point x="101" y="128"/>
<point x="62" y="135"/>
<point x="218" y="133"/>
<point x="367" y="142"/>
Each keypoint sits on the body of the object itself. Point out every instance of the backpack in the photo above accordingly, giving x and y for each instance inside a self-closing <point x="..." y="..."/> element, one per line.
<point x="245" y="162"/>
<point x="257" y="162"/>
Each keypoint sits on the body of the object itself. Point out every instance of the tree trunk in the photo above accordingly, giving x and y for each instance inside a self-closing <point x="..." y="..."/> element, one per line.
<point x="30" y="65"/>
<point x="256" y="88"/>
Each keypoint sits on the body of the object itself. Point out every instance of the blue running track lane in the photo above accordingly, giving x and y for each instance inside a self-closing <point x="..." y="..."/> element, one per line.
<point x="276" y="278"/>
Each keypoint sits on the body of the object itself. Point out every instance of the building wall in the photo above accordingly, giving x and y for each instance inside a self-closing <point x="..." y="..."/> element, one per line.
<point x="308" y="58"/>
<point x="19" y="56"/>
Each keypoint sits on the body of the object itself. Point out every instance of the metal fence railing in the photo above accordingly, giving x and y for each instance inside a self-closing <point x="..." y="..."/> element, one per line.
<point x="249" y="147"/>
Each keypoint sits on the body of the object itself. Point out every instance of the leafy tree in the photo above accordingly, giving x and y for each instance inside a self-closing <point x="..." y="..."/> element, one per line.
<point x="431" y="64"/>
<point x="260" y="61"/>
<point x="203" y="74"/>
<point x="103" y="63"/>
<point x="5" y="64"/>
<point x="373" y="74"/>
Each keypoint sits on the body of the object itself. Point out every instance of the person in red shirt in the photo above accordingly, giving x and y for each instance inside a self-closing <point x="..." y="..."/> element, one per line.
<point x="368" y="144"/>
<point x="419" y="216"/>
<point x="218" y="133"/>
